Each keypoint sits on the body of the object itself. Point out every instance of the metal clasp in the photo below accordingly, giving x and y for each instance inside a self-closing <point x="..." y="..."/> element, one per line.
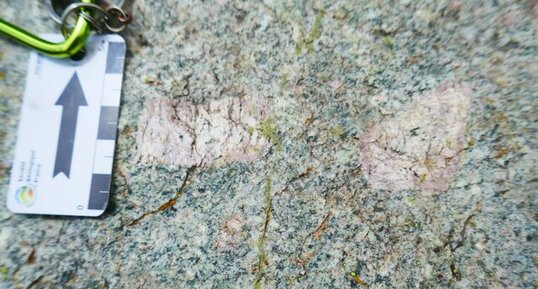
<point x="73" y="43"/>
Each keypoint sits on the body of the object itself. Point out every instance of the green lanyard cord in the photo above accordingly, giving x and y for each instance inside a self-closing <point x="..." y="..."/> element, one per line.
<point x="69" y="47"/>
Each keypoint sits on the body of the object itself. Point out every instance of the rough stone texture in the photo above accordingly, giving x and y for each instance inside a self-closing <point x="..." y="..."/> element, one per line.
<point x="324" y="182"/>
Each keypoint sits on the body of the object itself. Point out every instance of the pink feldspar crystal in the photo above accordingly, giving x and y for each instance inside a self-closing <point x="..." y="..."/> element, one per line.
<point x="418" y="148"/>
<point x="178" y="132"/>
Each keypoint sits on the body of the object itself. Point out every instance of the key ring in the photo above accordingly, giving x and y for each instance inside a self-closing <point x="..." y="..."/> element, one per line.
<point x="121" y="19"/>
<point x="57" y="15"/>
<point x="83" y="7"/>
<point x="112" y="19"/>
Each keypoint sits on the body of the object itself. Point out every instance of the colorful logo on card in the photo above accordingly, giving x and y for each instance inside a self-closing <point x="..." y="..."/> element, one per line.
<point x="25" y="195"/>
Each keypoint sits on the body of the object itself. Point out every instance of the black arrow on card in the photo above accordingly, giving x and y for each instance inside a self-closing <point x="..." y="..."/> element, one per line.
<point x="71" y="98"/>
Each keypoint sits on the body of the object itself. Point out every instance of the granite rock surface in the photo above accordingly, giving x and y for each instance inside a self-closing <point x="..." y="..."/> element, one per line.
<point x="301" y="144"/>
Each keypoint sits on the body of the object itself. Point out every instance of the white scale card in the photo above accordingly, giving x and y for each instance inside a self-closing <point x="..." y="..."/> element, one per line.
<point x="67" y="131"/>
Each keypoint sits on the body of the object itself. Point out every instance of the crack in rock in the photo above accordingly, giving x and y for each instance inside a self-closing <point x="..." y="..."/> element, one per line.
<point x="262" y="255"/>
<point x="170" y="203"/>
<point x="419" y="148"/>
<point x="178" y="132"/>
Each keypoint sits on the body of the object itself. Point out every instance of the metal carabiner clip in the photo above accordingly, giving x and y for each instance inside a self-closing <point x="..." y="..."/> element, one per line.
<point x="73" y="43"/>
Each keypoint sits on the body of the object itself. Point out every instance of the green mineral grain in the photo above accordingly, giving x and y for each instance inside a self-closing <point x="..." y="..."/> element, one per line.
<point x="269" y="130"/>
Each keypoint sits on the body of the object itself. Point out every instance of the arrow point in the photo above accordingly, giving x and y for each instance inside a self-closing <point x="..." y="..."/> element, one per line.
<point x="73" y="95"/>
<point x="61" y="172"/>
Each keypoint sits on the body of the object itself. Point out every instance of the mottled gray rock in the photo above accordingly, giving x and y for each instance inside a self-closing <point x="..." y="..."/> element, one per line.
<point x="373" y="144"/>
